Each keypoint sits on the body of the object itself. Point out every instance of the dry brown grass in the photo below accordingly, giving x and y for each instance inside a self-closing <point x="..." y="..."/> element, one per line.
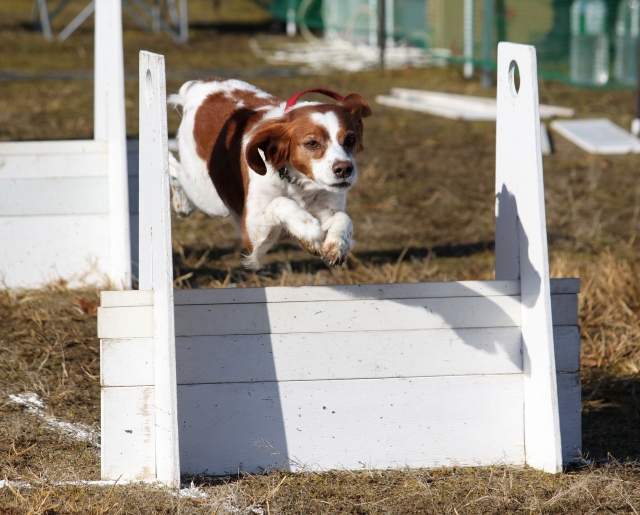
<point x="48" y="344"/>
<point x="423" y="211"/>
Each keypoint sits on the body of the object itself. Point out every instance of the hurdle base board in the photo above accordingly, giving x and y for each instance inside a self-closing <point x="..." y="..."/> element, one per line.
<point x="267" y="398"/>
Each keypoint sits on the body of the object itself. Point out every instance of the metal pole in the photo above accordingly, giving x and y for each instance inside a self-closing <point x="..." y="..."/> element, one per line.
<point x="468" y="39"/>
<point x="635" y="124"/>
<point x="382" y="36"/>
<point x="486" y="80"/>
<point x="184" y="22"/>
<point x="44" y="19"/>
<point x="501" y="20"/>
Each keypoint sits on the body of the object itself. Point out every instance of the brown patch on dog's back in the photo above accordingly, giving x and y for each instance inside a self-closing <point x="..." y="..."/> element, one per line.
<point x="220" y="123"/>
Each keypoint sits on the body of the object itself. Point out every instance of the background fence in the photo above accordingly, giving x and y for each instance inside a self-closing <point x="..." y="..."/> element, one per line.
<point x="439" y="27"/>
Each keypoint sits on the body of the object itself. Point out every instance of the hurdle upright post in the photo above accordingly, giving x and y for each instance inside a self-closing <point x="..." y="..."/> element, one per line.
<point x="156" y="266"/>
<point x="110" y="126"/>
<point x="521" y="246"/>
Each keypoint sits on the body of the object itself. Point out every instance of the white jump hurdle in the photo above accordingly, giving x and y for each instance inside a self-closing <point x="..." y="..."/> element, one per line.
<point x="419" y="375"/>
<point x="64" y="208"/>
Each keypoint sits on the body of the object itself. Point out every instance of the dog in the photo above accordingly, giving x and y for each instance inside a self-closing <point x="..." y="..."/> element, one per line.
<point x="277" y="167"/>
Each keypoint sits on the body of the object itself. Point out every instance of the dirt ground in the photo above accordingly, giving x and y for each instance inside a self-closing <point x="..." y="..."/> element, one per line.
<point x="423" y="210"/>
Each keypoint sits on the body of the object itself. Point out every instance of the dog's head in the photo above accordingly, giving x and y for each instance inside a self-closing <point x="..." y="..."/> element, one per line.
<point x="318" y="140"/>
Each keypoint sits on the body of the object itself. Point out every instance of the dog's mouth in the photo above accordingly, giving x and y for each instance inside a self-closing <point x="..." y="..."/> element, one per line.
<point x="339" y="186"/>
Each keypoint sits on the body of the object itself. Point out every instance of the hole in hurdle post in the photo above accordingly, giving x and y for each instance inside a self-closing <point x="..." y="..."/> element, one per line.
<point x="514" y="78"/>
<point x="149" y="88"/>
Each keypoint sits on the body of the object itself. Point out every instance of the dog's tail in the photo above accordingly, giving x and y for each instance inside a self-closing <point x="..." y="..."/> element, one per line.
<point x="180" y="98"/>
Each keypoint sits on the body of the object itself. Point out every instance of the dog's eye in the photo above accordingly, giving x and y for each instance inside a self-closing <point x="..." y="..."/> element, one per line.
<point x="312" y="145"/>
<point x="349" y="141"/>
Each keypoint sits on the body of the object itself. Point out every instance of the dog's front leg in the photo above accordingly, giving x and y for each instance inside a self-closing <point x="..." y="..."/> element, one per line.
<point x="263" y="229"/>
<point x="339" y="241"/>
<point x="182" y="205"/>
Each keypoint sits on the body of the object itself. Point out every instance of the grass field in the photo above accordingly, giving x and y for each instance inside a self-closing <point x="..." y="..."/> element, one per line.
<point x="423" y="210"/>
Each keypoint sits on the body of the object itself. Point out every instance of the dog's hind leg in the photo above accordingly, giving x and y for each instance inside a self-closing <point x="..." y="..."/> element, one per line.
<point x="179" y="200"/>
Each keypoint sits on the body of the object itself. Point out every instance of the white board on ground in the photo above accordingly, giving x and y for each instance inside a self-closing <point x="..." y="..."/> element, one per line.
<point x="457" y="107"/>
<point x="597" y="136"/>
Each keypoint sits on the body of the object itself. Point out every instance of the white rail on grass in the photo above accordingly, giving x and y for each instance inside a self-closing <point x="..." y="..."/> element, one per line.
<point x="420" y="375"/>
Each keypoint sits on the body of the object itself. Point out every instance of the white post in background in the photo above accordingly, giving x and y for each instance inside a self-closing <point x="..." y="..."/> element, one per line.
<point x="156" y="267"/>
<point x="521" y="246"/>
<point x="183" y="34"/>
<point x="109" y="125"/>
<point x="468" y="39"/>
<point x="389" y="20"/>
<point x="291" y="19"/>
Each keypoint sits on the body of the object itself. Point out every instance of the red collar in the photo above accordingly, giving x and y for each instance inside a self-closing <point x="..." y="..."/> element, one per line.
<point x="328" y="92"/>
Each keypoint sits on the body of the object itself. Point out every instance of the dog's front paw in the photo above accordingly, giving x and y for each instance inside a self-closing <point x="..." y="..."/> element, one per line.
<point x="309" y="234"/>
<point x="335" y="250"/>
<point x="179" y="200"/>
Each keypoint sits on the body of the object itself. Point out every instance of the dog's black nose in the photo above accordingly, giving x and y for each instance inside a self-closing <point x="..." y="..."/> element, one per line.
<point x="342" y="169"/>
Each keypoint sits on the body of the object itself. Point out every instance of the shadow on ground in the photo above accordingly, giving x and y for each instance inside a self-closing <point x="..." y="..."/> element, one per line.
<point x="610" y="416"/>
<point x="208" y="260"/>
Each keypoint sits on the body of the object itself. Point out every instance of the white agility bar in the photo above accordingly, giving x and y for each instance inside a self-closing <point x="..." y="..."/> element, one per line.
<point x="156" y="265"/>
<point x="521" y="246"/>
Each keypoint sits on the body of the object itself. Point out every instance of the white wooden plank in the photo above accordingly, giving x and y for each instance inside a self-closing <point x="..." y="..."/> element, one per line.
<point x="468" y="113"/>
<point x="156" y="259"/>
<point x="546" y="111"/>
<point x="73" y="248"/>
<point x="362" y="291"/>
<point x="377" y="423"/>
<point x="566" y="340"/>
<point x="298" y="357"/>
<point x="450" y="99"/>
<point x="460" y="107"/>
<point x="357" y="315"/>
<point x="59" y="196"/>
<point x="564" y="309"/>
<point x="125" y="322"/>
<point x="44" y="148"/>
<point x="52" y="165"/>
<point x="127" y="362"/>
<point x="521" y="246"/>
<point x="597" y="136"/>
<point x="346" y="292"/>
<point x="128" y="433"/>
<point x="114" y="299"/>
<point x="570" y="407"/>
<point x="305" y="357"/>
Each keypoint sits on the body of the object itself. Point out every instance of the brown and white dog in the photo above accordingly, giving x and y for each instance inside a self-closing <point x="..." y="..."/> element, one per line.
<point x="277" y="167"/>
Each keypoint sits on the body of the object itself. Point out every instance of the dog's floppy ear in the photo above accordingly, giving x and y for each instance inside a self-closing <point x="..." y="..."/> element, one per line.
<point x="273" y="141"/>
<point x="359" y="108"/>
<point x="356" y="105"/>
